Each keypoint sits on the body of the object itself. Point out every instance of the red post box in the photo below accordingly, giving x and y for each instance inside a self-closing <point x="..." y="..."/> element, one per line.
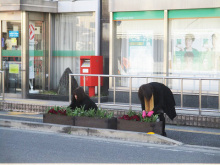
<point x="91" y="65"/>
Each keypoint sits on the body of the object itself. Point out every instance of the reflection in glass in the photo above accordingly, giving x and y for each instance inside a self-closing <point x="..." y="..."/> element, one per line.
<point x="11" y="55"/>
<point x="36" y="56"/>
<point x="74" y="37"/>
<point x="193" y="51"/>
<point x="138" y="49"/>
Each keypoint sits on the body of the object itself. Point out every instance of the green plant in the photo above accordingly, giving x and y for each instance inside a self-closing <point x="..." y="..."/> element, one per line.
<point x="137" y="116"/>
<point x="110" y="115"/>
<point x="79" y="111"/>
<point x="153" y="118"/>
<point x="68" y="111"/>
<point x="90" y="113"/>
<point x="131" y="113"/>
<point x="99" y="113"/>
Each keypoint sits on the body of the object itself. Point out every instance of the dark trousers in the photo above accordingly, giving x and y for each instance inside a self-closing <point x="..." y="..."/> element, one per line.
<point x="162" y="118"/>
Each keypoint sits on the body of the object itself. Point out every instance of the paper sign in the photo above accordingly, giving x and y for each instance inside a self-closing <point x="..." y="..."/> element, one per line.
<point x="13" y="41"/>
<point x="85" y="70"/>
<point x="14" y="68"/>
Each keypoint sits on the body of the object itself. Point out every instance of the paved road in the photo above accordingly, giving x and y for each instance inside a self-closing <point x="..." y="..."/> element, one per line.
<point x="23" y="146"/>
<point x="194" y="135"/>
<point x="185" y="134"/>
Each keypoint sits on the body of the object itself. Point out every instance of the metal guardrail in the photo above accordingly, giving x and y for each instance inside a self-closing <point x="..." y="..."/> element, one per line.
<point x="3" y="85"/>
<point x="164" y="78"/>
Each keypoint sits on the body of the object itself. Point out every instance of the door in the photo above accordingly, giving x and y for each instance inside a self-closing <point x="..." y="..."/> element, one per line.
<point x="36" y="56"/>
<point x="11" y="56"/>
<point x="38" y="53"/>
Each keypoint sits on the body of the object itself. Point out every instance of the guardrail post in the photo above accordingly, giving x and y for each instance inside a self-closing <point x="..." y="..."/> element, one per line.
<point x="70" y="99"/>
<point x="3" y="86"/>
<point x="200" y="96"/>
<point x="84" y="83"/>
<point x="181" y="95"/>
<point x="130" y="88"/>
<point x="114" y="92"/>
<point x="99" y="90"/>
<point x="219" y="95"/>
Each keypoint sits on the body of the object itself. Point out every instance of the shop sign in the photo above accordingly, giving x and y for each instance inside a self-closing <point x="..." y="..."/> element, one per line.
<point x="14" y="68"/>
<point x="13" y="34"/>
<point x="138" y="15"/>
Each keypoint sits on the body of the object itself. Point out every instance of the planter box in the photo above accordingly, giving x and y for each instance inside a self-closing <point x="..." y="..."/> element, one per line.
<point x="137" y="126"/>
<point x="96" y="122"/>
<point x="58" y="119"/>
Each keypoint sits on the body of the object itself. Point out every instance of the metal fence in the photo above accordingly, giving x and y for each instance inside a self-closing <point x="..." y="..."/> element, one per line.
<point x="163" y="79"/>
<point x="2" y="87"/>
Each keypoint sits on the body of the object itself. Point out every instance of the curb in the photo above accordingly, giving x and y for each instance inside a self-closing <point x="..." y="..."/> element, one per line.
<point x="93" y="132"/>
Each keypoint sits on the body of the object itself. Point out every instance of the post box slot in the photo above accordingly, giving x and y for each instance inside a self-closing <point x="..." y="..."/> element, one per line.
<point x="86" y="63"/>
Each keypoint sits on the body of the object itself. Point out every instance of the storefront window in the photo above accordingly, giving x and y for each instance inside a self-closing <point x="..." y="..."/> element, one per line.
<point x="74" y="36"/>
<point x="11" y="55"/>
<point x="138" y="45"/>
<point x="193" y="45"/>
<point x="36" y="56"/>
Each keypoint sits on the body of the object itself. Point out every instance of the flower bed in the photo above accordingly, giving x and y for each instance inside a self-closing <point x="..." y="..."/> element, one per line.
<point x="96" y="122"/>
<point x="58" y="115"/>
<point x="80" y="117"/>
<point x="102" y="119"/>
<point x="135" y="122"/>
<point x="126" y="125"/>
<point x="94" y="118"/>
<point x="58" y="119"/>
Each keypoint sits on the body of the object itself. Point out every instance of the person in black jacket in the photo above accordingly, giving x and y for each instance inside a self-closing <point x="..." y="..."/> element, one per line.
<point x="81" y="99"/>
<point x="156" y="98"/>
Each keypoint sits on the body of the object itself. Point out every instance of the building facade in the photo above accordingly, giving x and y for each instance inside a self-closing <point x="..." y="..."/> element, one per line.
<point x="41" y="39"/>
<point x="165" y="38"/>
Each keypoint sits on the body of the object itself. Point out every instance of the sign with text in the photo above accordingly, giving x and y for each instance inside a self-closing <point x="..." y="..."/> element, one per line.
<point x="13" y="34"/>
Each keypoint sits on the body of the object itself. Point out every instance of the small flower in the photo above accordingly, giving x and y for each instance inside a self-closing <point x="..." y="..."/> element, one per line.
<point x="135" y="117"/>
<point x="125" y="117"/>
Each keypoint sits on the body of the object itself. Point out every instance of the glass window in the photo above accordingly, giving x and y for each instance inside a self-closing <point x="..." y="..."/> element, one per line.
<point x="193" y="47"/>
<point x="36" y="56"/>
<point x="74" y="36"/>
<point x="138" y="49"/>
<point x="11" y="55"/>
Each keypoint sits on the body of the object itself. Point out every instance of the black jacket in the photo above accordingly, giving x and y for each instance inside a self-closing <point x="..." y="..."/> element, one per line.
<point x="163" y="100"/>
<point x="86" y="102"/>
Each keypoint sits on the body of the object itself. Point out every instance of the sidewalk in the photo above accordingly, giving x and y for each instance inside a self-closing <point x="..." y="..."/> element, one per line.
<point x="37" y="102"/>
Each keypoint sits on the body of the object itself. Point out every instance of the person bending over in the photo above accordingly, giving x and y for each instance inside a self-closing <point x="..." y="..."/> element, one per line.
<point x="81" y="99"/>
<point x="156" y="98"/>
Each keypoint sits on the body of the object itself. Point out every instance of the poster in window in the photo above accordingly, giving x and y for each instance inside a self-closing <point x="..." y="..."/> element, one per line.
<point x="141" y="54"/>
<point x="193" y="52"/>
